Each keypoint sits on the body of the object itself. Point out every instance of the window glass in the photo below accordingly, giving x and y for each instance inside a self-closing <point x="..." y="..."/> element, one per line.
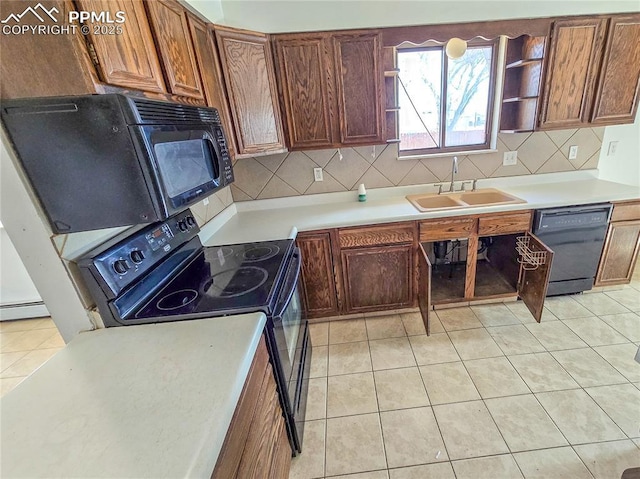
<point x="427" y="76"/>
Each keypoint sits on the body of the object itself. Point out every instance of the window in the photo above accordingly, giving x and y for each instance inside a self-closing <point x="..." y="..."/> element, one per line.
<point x="446" y="105"/>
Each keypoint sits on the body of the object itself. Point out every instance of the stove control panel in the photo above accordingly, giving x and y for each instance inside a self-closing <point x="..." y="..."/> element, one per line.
<point x="131" y="258"/>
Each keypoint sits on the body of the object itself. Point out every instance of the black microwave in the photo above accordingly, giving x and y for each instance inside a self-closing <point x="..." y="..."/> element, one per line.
<point x="100" y="161"/>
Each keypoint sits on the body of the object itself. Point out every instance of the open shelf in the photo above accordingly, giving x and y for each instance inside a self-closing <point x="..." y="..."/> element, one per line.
<point x="522" y="84"/>
<point x="522" y="63"/>
<point x="391" y="71"/>
<point x="519" y="98"/>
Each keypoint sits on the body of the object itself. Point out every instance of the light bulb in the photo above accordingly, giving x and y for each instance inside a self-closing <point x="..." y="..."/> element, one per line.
<point x="455" y="48"/>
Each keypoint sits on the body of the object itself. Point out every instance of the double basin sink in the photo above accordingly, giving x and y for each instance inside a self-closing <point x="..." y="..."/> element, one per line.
<point x="462" y="199"/>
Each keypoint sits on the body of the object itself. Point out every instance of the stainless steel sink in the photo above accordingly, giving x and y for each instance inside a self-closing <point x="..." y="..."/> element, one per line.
<point x="463" y="199"/>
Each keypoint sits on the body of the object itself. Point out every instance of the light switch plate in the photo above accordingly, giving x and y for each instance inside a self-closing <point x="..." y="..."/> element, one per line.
<point x="613" y="147"/>
<point x="510" y="158"/>
<point x="205" y="201"/>
<point x="317" y="174"/>
<point x="573" y="152"/>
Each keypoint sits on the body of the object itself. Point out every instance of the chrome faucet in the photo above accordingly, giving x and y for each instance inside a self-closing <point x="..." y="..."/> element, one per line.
<point x="454" y="170"/>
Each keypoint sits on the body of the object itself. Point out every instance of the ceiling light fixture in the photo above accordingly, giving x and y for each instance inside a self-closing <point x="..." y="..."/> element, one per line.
<point x="455" y="48"/>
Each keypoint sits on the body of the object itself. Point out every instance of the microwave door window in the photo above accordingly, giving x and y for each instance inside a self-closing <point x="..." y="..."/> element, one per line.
<point x="186" y="169"/>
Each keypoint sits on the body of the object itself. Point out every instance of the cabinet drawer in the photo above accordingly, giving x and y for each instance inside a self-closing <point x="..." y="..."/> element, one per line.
<point x="504" y="224"/>
<point x="377" y="235"/>
<point x="626" y="211"/>
<point x="446" y="229"/>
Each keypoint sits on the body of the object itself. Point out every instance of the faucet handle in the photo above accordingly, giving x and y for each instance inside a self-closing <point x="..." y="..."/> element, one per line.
<point x="439" y="185"/>
<point x="475" y="185"/>
<point x="465" y="183"/>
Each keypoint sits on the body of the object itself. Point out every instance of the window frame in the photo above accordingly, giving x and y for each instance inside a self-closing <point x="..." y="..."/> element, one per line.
<point x="489" y="125"/>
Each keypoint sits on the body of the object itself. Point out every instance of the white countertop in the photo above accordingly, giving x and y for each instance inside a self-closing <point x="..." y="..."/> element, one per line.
<point x="139" y="401"/>
<point x="265" y="220"/>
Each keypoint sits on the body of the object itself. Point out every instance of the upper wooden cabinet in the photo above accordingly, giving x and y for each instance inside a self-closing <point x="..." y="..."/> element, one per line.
<point x="360" y="87"/>
<point x="332" y="88"/>
<point x="128" y="60"/>
<point x="250" y="82"/>
<point x="169" y="22"/>
<point x="204" y="45"/>
<point x="619" y="84"/>
<point x="574" y="60"/>
<point x="593" y="72"/>
<point x="306" y="83"/>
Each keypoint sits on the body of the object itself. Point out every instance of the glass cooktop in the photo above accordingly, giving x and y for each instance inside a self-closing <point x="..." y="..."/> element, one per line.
<point x="223" y="280"/>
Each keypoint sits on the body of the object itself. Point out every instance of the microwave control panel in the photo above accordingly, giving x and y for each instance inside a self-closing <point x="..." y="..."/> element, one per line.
<point x="127" y="261"/>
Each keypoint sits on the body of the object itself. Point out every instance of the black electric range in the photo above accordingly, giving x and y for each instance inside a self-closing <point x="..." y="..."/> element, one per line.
<point x="162" y="272"/>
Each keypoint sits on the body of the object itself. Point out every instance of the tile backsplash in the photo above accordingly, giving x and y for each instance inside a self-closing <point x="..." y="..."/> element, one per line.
<point x="377" y="167"/>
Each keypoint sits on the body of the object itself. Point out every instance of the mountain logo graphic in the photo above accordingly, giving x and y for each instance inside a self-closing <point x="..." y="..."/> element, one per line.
<point x="34" y="11"/>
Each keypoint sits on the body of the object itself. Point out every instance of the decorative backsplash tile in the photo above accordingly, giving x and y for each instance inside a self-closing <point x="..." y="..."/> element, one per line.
<point x="378" y="167"/>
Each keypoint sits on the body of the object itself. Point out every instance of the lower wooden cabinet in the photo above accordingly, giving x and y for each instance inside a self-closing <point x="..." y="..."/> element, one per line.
<point x="318" y="280"/>
<point x="621" y="246"/>
<point x="377" y="278"/>
<point x="256" y="445"/>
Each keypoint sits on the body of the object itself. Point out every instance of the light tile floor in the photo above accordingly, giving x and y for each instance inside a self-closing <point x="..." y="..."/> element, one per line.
<point x="490" y="394"/>
<point x="25" y="345"/>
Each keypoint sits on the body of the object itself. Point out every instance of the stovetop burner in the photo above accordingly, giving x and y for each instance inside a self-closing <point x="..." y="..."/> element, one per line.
<point x="261" y="252"/>
<point x="236" y="282"/>
<point x="177" y="299"/>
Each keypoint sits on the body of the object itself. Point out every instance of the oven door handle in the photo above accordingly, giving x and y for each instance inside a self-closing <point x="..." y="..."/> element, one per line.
<point x="289" y="288"/>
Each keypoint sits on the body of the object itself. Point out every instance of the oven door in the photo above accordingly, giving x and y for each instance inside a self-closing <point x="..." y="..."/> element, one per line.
<point x="292" y="349"/>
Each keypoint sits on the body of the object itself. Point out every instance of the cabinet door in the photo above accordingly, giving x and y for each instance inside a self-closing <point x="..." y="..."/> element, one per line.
<point x="620" y="253"/>
<point x="250" y="81"/>
<point x="619" y="85"/>
<point x="360" y="87"/>
<point x="211" y="75"/>
<point x="171" y="30"/>
<point x="377" y="278"/>
<point x="424" y="287"/>
<point x="129" y="59"/>
<point x="574" y="61"/>
<point x="318" y="282"/>
<point x="534" y="281"/>
<point x="306" y="84"/>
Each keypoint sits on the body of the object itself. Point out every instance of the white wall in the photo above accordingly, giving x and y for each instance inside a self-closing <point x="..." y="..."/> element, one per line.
<point x="30" y="235"/>
<point x="287" y="16"/>
<point x="212" y="9"/>
<point x="624" y="166"/>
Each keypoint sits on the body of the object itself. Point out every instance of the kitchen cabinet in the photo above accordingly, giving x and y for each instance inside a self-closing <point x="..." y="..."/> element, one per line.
<point x="574" y="61"/>
<point x="206" y="53"/>
<point x="360" y="91"/>
<point x="129" y="59"/>
<point x="377" y="267"/>
<point x="249" y="78"/>
<point x="256" y="444"/>
<point x="332" y="88"/>
<point x="318" y="278"/>
<point x="593" y="72"/>
<point x="497" y="257"/>
<point x="619" y="83"/>
<point x="621" y="245"/>
<point x="305" y="78"/>
<point x="173" y="40"/>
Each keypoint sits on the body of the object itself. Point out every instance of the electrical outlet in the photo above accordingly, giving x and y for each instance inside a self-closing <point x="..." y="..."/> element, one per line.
<point x="573" y="152"/>
<point x="510" y="158"/>
<point x="613" y="147"/>
<point x="317" y="174"/>
<point x="205" y="201"/>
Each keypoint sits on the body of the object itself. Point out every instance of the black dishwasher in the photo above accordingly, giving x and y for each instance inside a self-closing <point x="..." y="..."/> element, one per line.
<point x="576" y="236"/>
